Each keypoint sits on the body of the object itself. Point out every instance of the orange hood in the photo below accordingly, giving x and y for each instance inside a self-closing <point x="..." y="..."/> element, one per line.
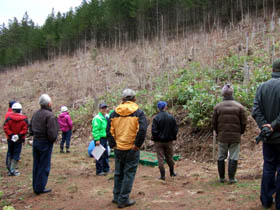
<point x="126" y="108"/>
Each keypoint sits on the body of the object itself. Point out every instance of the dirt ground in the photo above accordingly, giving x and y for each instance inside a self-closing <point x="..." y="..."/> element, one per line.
<point x="75" y="186"/>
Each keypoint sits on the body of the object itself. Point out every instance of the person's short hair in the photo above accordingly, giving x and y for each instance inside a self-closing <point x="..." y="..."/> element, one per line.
<point x="128" y="94"/>
<point x="44" y="100"/>
<point x="276" y="65"/>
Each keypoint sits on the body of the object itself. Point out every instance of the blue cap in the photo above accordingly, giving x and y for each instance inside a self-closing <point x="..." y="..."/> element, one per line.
<point x="11" y="103"/>
<point x="161" y="105"/>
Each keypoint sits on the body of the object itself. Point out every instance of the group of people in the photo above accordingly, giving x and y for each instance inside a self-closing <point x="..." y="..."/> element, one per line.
<point x="44" y="126"/>
<point x="229" y="123"/>
<point x="124" y="130"/>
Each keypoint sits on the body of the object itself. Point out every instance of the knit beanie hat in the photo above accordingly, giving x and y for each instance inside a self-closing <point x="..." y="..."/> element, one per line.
<point x="227" y="90"/>
<point x="276" y="65"/>
<point x="161" y="105"/>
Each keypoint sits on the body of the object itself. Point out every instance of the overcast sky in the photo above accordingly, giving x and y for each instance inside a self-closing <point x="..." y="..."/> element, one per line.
<point x="37" y="10"/>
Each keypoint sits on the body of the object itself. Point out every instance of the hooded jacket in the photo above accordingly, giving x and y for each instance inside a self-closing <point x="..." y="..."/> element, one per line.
<point x="127" y="126"/>
<point x="16" y="124"/>
<point x="266" y="109"/>
<point x="65" y="122"/>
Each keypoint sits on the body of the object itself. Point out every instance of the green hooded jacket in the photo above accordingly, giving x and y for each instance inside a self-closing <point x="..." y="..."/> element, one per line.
<point x="99" y="124"/>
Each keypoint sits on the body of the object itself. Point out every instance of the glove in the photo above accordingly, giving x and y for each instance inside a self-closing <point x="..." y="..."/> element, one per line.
<point x="264" y="135"/>
<point x="15" y="138"/>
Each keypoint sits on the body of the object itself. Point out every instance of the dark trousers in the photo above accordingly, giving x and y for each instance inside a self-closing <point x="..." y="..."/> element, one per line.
<point x="66" y="137"/>
<point x="164" y="152"/>
<point x="13" y="153"/>
<point x="126" y="163"/>
<point x="42" y="152"/>
<point x="271" y="170"/>
<point x="102" y="165"/>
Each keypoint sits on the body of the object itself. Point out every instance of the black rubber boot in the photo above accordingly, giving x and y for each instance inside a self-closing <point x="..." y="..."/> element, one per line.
<point x="162" y="174"/>
<point x="171" y="170"/>
<point x="67" y="150"/>
<point x="221" y="170"/>
<point x="232" y="167"/>
<point x="61" y="150"/>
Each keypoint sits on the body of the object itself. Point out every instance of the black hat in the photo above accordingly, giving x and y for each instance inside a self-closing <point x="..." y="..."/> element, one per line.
<point x="11" y="102"/>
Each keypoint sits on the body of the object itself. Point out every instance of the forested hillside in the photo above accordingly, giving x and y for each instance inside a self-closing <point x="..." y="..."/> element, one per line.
<point x="111" y="23"/>
<point x="180" y="51"/>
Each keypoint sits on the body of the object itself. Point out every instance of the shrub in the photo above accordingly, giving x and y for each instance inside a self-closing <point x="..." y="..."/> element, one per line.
<point x="198" y="89"/>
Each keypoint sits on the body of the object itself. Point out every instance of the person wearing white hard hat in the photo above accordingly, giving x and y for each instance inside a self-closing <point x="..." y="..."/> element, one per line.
<point x="15" y="127"/>
<point x="66" y="125"/>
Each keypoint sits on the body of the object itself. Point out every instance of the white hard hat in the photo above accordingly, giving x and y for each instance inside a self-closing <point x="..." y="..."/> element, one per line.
<point x="16" y="106"/>
<point x="63" y="109"/>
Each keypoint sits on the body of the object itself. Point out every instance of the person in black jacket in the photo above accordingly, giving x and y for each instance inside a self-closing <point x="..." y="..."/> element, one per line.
<point x="44" y="127"/>
<point x="164" y="132"/>
<point x="266" y="112"/>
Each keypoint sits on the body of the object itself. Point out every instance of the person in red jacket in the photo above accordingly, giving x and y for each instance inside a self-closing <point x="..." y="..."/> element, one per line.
<point x="15" y="127"/>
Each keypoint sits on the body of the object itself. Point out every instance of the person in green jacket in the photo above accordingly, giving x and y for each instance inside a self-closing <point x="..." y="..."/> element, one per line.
<point x="99" y="125"/>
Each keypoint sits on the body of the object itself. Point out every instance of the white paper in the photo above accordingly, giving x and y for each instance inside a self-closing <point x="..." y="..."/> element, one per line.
<point x="98" y="151"/>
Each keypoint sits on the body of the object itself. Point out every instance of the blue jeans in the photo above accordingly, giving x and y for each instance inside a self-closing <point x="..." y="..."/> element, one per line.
<point x="66" y="136"/>
<point x="102" y="165"/>
<point x="42" y="152"/>
<point x="271" y="175"/>
<point x="126" y="163"/>
<point x="13" y="153"/>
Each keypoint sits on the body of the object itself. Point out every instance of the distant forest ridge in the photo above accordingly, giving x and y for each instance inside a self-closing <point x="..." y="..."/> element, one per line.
<point x="111" y="23"/>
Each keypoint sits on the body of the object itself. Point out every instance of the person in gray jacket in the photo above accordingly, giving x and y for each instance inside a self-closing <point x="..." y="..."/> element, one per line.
<point x="44" y="127"/>
<point x="266" y="112"/>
